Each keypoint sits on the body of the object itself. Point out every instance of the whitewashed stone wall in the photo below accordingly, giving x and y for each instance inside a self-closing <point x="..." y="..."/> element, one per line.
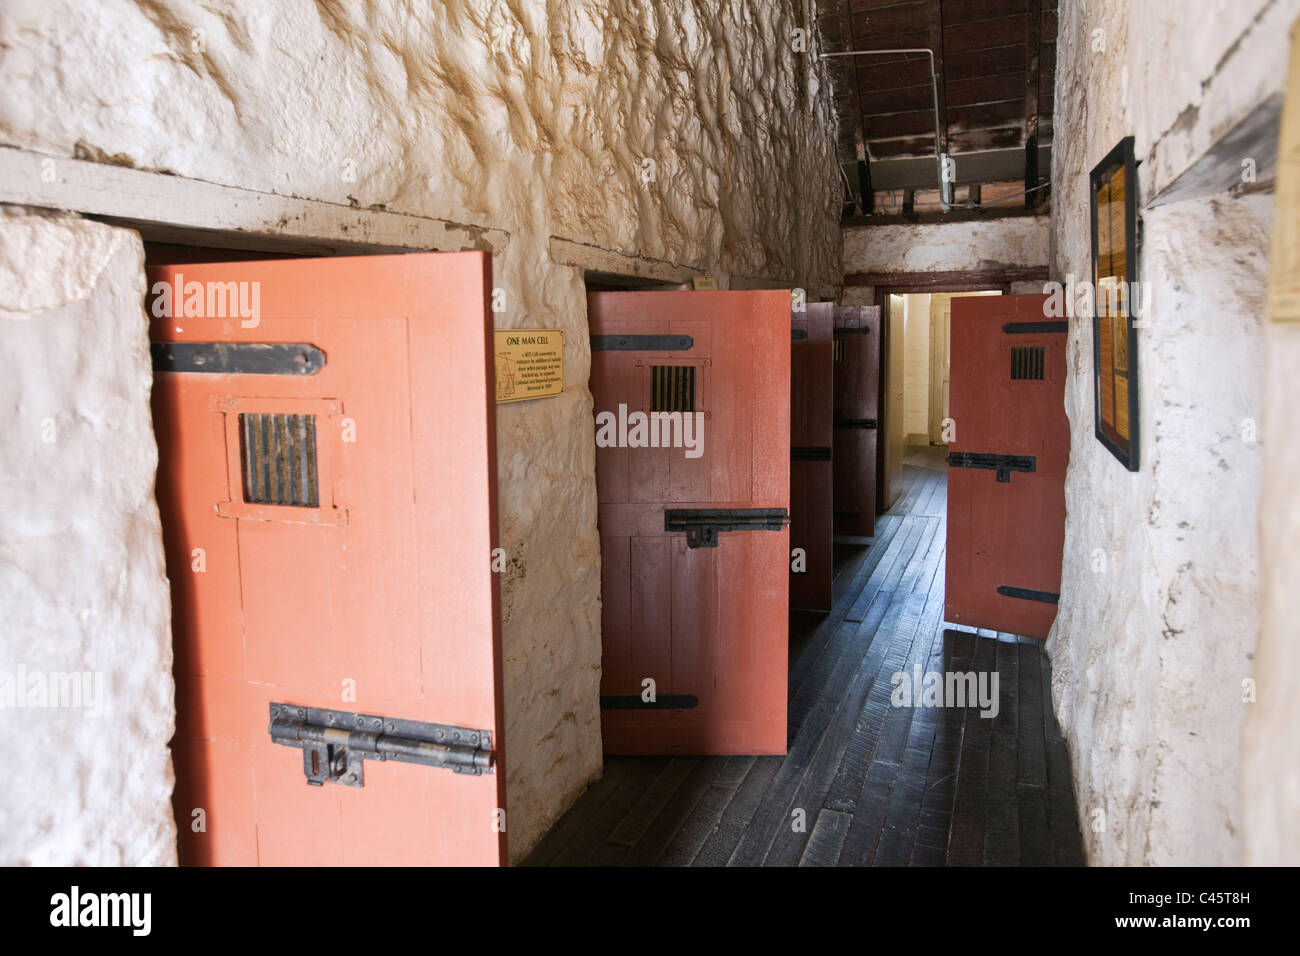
<point x="85" y="648"/>
<point x="1159" y="612"/>
<point x="944" y="247"/>
<point x="531" y="117"/>
<point x="1271" y="745"/>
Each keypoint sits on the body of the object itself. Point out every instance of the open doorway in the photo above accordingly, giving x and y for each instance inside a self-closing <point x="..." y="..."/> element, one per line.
<point x="915" y="368"/>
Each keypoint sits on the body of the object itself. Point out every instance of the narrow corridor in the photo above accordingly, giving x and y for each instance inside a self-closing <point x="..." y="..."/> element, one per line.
<point x="872" y="784"/>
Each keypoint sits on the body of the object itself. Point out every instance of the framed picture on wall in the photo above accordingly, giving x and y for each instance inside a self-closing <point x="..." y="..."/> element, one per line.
<point x="1113" y="205"/>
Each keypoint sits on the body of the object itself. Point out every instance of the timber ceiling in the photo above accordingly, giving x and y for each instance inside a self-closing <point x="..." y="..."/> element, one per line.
<point x="996" y="62"/>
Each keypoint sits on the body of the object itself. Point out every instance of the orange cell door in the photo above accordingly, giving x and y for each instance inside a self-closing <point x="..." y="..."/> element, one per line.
<point x="327" y="486"/>
<point x="857" y="381"/>
<point x="694" y="542"/>
<point x="1006" y="464"/>
<point x="811" y="479"/>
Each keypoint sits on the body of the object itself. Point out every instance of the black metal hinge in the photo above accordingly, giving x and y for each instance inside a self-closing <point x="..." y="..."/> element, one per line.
<point x="237" y="358"/>
<point x="642" y="343"/>
<point x="703" y="524"/>
<point x="798" y="335"/>
<point x="335" y="743"/>
<point x="855" y="423"/>
<point x="1004" y="465"/>
<point x="851" y="330"/>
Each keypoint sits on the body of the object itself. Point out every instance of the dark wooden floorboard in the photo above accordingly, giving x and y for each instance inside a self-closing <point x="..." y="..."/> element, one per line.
<point x="866" y="779"/>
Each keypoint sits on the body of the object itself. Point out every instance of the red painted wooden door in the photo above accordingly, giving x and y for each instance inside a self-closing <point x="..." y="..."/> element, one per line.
<point x="811" y="479"/>
<point x="327" y="486"/>
<point x="1006" y="474"/>
<point x="857" y="399"/>
<point x="694" y="615"/>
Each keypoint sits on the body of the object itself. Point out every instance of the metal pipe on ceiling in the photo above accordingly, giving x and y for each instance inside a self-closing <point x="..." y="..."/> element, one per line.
<point x="939" y="155"/>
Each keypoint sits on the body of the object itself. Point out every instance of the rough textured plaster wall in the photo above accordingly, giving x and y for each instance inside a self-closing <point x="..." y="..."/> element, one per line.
<point x="1271" y="744"/>
<point x="1271" y="750"/>
<point x="1158" y="612"/>
<point x="87" y="613"/>
<point x="529" y="116"/>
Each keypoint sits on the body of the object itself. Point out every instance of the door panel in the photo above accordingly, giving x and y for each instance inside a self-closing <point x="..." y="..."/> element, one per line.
<point x="340" y="516"/>
<point x="857" y="399"/>
<point x="893" y="436"/>
<point x="1006" y="530"/>
<point x="708" y="625"/>
<point x="811" y="434"/>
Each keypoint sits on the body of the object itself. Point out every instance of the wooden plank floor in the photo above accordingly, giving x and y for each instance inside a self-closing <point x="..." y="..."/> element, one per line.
<point x="864" y="782"/>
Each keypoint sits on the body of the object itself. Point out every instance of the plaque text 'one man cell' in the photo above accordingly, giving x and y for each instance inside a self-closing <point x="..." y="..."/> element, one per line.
<point x="529" y="364"/>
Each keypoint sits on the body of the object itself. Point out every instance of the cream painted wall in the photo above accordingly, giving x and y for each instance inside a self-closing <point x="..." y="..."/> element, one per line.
<point x="1159" y="601"/>
<point x="530" y="117"/>
<point x="916" y="368"/>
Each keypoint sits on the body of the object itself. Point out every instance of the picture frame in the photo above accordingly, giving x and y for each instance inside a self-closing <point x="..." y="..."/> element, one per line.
<point x="1113" y="204"/>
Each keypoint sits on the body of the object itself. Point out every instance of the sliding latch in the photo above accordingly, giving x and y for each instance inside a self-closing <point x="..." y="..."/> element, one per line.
<point x="703" y="524"/>
<point x="1004" y="465"/>
<point x="336" y="743"/>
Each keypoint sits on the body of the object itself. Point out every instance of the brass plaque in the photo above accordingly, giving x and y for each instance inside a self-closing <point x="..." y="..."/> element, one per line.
<point x="529" y="364"/>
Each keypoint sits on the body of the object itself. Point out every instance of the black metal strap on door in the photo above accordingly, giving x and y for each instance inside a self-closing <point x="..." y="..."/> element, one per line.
<point x="703" y="524"/>
<point x="237" y="358"/>
<point x="798" y="335"/>
<point x="641" y="343"/>
<point x="846" y="330"/>
<point x="1035" y="328"/>
<point x="810" y="453"/>
<point x="1004" y="465"/>
<point x="335" y="744"/>
<point x="1028" y="594"/>
<point x="854" y="422"/>
<point x="636" y="702"/>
